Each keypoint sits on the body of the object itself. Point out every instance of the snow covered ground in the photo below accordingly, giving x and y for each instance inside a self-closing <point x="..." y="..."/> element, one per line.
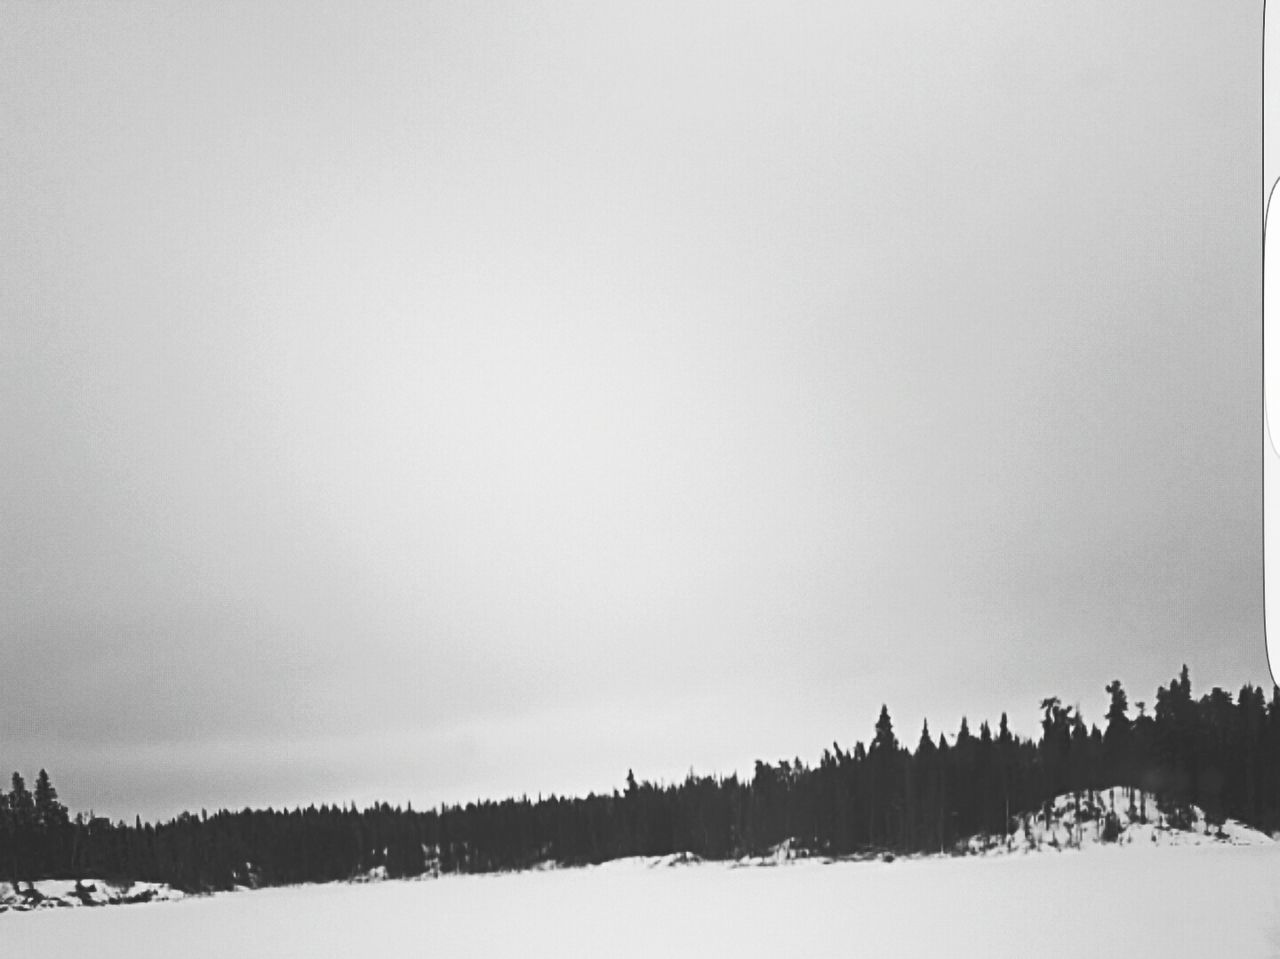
<point x="1132" y="901"/>
<point x="1080" y="821"/>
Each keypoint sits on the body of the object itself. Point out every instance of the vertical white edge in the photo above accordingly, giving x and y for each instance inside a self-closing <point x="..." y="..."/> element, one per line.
<point x="1271" y="337"/>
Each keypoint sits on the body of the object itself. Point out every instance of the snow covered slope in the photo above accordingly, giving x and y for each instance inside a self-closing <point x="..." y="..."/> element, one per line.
<point x="1117" y="817"/>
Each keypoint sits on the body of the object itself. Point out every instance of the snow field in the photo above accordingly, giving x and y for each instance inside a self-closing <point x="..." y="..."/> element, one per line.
<point x="1104" y="901"/>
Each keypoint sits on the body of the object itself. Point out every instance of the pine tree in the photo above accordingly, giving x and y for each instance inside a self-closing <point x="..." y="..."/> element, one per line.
<point x="886" y="788"/>
<point x="49" y="826"/>
<point x="23" y="818"/>
<point x="1005" y="758"/>
<point x="884" y="740"/>
<point x="1116" y="739"/>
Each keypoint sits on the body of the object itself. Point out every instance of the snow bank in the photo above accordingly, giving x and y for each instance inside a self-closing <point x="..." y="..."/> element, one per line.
<point x="632" y="863"/>
<point x="66" y="893"/>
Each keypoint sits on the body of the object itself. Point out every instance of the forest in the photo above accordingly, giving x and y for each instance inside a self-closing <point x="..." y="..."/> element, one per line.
<point x="1218" y="752"/>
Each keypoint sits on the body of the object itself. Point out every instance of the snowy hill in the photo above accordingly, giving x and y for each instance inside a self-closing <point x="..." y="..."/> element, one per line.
<point x="62" y="893"/>
<point x="1116" y="817"/>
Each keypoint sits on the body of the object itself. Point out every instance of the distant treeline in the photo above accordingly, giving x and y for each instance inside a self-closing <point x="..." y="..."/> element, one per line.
<point x="1220" y="753"/>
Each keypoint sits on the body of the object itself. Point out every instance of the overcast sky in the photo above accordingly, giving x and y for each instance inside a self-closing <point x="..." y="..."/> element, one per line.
<point x="431" y="401"/>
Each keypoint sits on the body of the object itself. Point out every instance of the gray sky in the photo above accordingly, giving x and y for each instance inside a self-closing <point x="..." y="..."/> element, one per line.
<point x="442" y="400"/>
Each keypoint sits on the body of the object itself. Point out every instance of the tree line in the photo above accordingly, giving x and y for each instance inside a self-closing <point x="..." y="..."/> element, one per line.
<point x="1221" y="753"/>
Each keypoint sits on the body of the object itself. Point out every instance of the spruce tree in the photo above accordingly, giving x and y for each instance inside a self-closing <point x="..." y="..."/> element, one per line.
<point x="23" y="818"/>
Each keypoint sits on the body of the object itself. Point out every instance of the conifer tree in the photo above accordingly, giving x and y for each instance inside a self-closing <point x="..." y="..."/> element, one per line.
<point x="22" y="817"/>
